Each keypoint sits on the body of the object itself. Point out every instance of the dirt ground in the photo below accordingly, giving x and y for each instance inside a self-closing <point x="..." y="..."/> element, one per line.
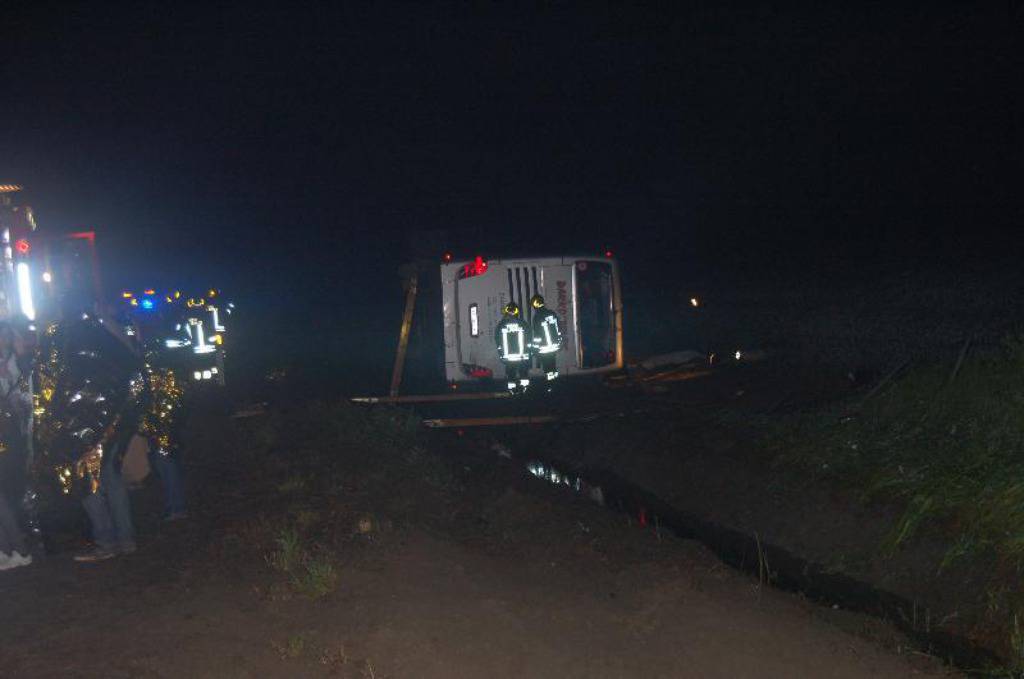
<point x="491" y="574"/>
<point x="712" y="468"/>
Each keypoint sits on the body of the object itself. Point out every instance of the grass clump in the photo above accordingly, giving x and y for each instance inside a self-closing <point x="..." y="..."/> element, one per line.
<point x="292" y="647"/>
<point x="317" y="578"/>
<point x="289" y="553"/>
<point x="311" y="576"/>
<point x="949" y="451"/>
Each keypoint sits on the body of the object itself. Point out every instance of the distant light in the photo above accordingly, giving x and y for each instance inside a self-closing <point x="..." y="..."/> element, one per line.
<point x="694" y="302"/>
<point x="609" y="254"/>
<point x="739" y="354"/>
<point x="22" y="246"/>
<point x="207" y="374"/>
<point x="147" y="304"/>
<point x="126" y="294"/>
<point x="149" y="292"/>
<point x="47" y="277"/>
<point x="177" y="294"/>
<point x="212" y="292"/>
<point x="25" y="291"/>
<point x="447" y="258"/>
<point x="197" y="375"/>
<point x="135" y="302"/>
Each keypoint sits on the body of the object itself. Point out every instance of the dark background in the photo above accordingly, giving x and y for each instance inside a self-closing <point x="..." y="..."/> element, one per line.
<point x="295" y="155"/>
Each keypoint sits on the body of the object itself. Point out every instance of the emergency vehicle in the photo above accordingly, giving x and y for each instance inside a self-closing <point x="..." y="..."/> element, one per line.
<point x="583" y="291"/>
<point x="191" y="328"/>
<point x="16" y="278"/>
<point x="43" y="275"/>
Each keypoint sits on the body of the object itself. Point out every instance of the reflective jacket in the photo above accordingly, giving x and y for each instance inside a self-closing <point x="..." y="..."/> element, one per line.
<point x="547" y="336"/>
<point x="512" y="339"/>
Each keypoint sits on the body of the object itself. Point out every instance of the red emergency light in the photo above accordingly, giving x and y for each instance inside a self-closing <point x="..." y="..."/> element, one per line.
<point x="447" y="258"/>
<point x="477" y="267"/>
<point x="609" y="254"/>
<point x="22" y="246"/>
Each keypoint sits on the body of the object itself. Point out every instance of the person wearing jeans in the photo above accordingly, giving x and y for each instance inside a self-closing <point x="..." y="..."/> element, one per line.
<point x="168" y="469"/>
<point x="109" y="508"/>
<point x="91" y="397"/>
<point x="160" y="425"/>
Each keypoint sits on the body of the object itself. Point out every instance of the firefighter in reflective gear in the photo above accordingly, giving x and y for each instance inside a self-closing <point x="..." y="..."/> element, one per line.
<point x="513" y="339"/>
<point x="547" y="336"/>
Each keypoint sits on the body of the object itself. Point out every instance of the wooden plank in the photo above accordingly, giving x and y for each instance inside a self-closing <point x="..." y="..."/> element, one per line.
<point x="433" y="398"/>
<point x="677" y="375"/>
<point x="403" y="336"/>
<point x="488" y="421"/>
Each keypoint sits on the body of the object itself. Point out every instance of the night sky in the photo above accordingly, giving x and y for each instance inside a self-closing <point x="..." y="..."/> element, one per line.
<point x="278" y="149"/>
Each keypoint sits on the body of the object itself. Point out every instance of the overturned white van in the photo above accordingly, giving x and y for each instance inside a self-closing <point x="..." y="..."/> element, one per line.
<point x="584" y="291"/>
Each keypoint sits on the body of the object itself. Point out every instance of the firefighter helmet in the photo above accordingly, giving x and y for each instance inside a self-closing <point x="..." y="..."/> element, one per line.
<point x="537" y="302"/>
<point x="511" y="309"/>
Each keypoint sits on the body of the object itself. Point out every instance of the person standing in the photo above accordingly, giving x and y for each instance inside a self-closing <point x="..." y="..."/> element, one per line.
<point x="164" y="347"/>
<point x="547" y="337"/>
<point x="514" y="348"/>
<point x="92" y="396"/>
<point x="14" y="550"/>
<point x="160" y="425"/>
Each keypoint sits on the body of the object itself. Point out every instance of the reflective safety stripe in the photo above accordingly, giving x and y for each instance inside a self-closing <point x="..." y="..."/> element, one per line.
<point x="514" y="334"/>
<point x="552" y="341"/>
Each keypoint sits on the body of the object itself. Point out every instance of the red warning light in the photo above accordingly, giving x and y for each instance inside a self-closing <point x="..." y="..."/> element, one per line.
<point x="447" y="258"/>
<point x="477" y="267"/>
<point x="609" y="254"/>
<point x="22" y="246"/>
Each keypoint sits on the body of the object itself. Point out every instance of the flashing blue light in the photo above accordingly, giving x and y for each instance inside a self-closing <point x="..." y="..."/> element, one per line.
<point x="147" y="304"/>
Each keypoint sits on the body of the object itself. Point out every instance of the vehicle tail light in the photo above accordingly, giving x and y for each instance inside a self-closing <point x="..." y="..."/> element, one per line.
<point x="477" y="371"/>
